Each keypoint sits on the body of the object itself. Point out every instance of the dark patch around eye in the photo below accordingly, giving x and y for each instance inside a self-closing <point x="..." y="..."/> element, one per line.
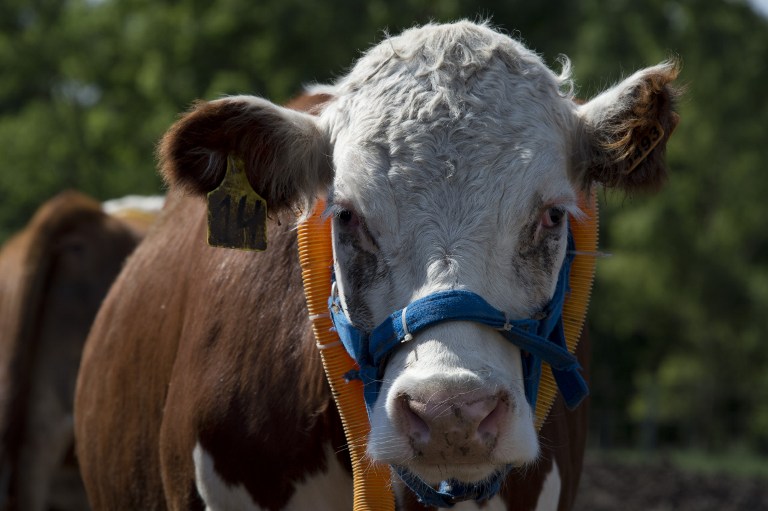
<point x="362" y="271"/>
<point x="536" y="257"/>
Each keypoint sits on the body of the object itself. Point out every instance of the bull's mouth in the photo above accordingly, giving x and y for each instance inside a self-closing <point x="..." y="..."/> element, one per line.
<point x="466" y="473"/>
<point x="449" y="491"/>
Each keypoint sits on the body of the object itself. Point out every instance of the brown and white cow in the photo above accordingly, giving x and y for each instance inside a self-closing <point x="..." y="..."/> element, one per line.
<point x="449" y="156"/>
<point x="54" y="275"/>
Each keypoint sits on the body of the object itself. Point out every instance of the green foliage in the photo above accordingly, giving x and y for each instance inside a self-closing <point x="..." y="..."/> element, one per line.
<point x="678" y="319"/>
<point x="684" y="297"/>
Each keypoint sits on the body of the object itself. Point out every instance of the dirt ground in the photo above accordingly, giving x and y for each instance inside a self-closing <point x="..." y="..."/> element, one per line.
<point x="608" y="485"/>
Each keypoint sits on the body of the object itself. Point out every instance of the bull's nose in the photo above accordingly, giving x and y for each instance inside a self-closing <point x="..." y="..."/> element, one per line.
<point x="451" y="426"/>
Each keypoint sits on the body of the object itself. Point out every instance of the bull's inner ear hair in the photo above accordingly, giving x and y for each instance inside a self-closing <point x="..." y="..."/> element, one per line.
<point x="626" y="129"/>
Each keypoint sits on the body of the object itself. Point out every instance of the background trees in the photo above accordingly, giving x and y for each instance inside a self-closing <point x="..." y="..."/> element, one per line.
<point x="679" y="315"/>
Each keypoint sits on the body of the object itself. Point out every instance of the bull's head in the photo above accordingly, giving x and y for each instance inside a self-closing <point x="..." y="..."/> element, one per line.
<point x="451" y="157"/>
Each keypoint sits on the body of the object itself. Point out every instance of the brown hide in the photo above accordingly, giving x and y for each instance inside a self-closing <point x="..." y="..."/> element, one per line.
<point x="222" y="354"/>
<point x="53" y="277"/>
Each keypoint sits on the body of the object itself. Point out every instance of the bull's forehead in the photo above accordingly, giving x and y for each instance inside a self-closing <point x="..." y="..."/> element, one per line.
<point x="448" y="140"/>
<point x="446" y="110"/>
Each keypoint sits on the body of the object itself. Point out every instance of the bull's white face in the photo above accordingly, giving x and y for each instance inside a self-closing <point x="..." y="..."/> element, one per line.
<point x="451" y="151"/>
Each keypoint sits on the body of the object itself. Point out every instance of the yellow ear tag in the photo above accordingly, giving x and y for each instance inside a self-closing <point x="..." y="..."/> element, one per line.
<point x="237" y="215"/>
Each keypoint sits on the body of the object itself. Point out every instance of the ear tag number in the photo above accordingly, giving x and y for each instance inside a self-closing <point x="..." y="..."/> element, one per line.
<point x="647" y="140"/>
<point x="237" y="215"/>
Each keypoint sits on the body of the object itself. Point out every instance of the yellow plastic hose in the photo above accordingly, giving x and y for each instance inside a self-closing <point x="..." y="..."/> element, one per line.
<point x="577" y="301"/>
<point x="372" y="483"/>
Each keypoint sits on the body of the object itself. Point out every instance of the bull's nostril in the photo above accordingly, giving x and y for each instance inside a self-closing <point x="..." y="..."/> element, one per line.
<point x="453" y="422"/>
<point x="411" y="421"/>
<point x="489" y="427"/>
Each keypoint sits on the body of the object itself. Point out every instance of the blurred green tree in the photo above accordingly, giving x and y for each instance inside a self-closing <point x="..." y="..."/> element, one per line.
<point x="679" y="315"/>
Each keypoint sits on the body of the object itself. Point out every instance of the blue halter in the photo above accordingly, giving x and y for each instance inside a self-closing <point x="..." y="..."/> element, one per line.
<point x="538" y="339"/>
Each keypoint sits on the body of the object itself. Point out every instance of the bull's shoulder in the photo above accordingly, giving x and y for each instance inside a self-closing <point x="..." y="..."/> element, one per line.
<point x="201" y="346"/>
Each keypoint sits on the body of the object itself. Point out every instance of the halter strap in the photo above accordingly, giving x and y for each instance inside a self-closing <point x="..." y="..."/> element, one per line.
<point x="451" y="492"/>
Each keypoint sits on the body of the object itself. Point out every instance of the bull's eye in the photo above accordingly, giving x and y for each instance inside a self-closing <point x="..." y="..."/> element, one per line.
<point x="347" y="219"/>
<point x="552" y="217"/>
<point x="352" y="227"/>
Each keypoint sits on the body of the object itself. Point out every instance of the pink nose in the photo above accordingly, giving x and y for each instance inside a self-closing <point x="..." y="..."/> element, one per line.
<point x="453" y="427"/>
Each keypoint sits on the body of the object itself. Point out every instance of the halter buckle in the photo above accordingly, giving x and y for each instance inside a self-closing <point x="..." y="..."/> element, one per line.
<point x="407" y="337"/>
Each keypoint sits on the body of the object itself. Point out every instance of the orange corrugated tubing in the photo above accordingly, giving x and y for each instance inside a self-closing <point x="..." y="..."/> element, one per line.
<point x="372" y="484"/>
<point x="585" y="231"/>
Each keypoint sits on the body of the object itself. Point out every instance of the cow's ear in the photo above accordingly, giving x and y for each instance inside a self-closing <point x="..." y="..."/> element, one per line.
<point x="625" y="131"/>
<point x="284" y="152"/>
